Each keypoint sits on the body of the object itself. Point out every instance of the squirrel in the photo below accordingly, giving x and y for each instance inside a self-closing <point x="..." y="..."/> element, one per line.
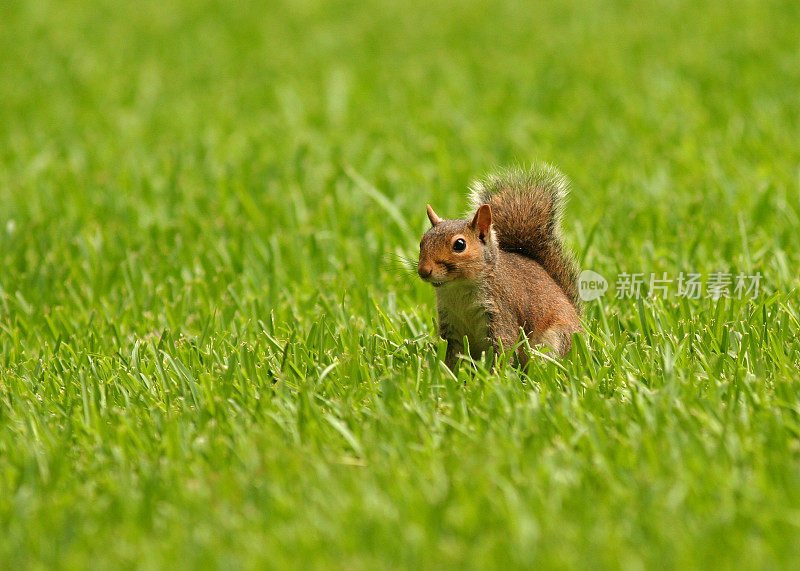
<point x="506" y="269"/>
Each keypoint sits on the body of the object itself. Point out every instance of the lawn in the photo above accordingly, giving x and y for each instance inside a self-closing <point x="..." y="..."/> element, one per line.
<point x="213" y="349"/>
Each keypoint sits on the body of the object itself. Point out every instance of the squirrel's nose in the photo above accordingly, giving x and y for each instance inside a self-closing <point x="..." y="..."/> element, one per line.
<point x="424" y="271"/>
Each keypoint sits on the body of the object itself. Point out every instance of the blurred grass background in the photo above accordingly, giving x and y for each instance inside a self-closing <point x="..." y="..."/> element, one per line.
<point x="209" y="353"/>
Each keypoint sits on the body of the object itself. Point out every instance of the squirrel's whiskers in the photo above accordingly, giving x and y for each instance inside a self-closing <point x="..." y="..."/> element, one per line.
<point x="399" y="264"/>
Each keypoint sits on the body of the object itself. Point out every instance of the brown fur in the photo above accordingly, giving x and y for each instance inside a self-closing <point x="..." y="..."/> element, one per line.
<point x="514" y="272"/>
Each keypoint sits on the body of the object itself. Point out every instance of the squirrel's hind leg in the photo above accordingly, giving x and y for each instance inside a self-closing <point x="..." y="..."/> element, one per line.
<point x="558" y="338"/>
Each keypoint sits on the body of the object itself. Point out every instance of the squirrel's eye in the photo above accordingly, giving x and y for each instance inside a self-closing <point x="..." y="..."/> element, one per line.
<point x="460" y="245"/>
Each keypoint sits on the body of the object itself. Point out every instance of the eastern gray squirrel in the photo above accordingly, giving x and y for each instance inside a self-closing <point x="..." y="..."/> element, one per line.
<point x="506" y="268"/>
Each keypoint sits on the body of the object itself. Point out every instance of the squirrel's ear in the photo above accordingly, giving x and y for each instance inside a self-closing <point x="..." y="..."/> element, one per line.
<point x="482" y="221"/>
<point x="433" y="217"/>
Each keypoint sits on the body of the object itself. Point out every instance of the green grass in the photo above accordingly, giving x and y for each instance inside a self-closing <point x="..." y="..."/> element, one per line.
<point x="210" y="353"/>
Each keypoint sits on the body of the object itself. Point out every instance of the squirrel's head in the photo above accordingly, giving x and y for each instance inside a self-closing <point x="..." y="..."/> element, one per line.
<point x="457" y="249"/>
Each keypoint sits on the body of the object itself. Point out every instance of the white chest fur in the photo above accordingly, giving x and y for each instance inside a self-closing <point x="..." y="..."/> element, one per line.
<point x="462" y="311"/>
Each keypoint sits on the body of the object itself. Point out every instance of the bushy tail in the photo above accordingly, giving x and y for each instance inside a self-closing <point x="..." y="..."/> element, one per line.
<point x="526" y="215"/>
